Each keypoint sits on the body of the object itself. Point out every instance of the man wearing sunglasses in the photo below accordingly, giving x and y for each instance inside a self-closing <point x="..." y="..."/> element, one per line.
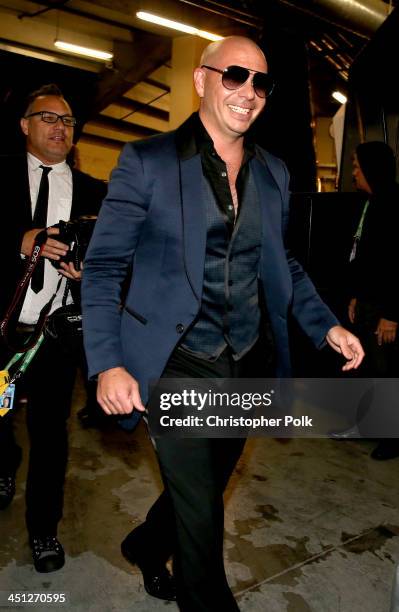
<point x="199" y="215"/>
<point x="39" y="189"/>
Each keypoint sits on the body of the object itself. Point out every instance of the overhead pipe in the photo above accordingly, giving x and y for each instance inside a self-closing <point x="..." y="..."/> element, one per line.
<point x="362" y="17"/>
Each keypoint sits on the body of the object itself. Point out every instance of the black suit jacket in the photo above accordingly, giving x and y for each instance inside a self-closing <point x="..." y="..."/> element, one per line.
<point x="373" y="271"/>
<point x="16" y="215"/>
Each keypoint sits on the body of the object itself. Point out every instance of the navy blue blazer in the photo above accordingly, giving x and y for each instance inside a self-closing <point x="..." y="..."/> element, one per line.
<point x="153" y="224"/>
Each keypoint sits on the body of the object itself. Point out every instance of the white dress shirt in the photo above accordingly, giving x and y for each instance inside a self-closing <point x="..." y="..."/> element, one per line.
<point x="59" y="207"/>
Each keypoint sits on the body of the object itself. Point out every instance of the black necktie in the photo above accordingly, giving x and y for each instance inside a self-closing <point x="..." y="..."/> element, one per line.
<point x="40" y="220"/>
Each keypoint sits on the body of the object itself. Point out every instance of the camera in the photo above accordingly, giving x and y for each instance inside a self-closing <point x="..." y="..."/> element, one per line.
<point x="76" y="234"/>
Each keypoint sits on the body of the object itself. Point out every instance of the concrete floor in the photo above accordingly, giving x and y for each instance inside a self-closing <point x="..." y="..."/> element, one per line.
<point x="311" y="525"/>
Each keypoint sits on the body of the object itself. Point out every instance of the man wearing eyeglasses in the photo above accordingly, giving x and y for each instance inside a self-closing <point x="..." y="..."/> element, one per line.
<point x="199" y="214"/>
<point x="38" y="190"/>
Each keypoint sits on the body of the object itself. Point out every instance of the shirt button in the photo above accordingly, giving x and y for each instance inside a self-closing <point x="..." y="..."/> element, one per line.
<point x="224" y="174"/>
<point x="230" y="207"/>
<point x="230" y="283"/>
<point x="180" y="328"/>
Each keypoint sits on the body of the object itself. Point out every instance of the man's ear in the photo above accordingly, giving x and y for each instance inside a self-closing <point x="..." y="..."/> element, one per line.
<point x="199" y="79"/>
<point x="24" y="123"/>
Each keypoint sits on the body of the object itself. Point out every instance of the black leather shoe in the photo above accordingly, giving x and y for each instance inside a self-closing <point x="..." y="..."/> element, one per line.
<point x="386" y="449"/>
<point x="158" y="581"/>
<point x="47" y="553"/>
<point x="7" y="491"/>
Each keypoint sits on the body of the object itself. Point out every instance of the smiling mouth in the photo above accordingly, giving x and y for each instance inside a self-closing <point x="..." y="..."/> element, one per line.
<point x="239" y="109"/>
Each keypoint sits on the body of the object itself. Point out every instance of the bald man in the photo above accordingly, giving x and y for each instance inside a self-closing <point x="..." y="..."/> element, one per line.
<point x="199" y="215"/>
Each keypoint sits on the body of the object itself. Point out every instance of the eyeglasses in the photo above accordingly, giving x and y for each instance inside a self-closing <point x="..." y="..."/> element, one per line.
<point x="234" y="77"/>
<point x="50" y="117"/>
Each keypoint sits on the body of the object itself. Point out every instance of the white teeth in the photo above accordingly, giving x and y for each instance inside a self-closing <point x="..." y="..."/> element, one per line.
<point x="239" y="109"/>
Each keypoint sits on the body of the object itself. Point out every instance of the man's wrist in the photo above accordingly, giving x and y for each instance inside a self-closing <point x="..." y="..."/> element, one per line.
<point x="114" y="369"/>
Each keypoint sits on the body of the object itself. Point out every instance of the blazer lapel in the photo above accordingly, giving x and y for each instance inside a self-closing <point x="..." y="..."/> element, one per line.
<point x="194" y="221"/>
<point x="21" y="192"/>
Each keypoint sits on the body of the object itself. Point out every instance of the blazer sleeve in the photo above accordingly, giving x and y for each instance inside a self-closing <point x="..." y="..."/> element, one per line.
<point x="109" y="258"/>
<point x="16" y="219"/>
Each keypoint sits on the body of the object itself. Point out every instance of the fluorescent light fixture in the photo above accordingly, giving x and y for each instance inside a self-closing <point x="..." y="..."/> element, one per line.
<point x="176" y="25"/>
<point x="337" y="95"/>
<point x="86" y="51"/>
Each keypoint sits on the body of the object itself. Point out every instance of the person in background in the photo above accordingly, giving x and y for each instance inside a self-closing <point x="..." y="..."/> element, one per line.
<point x="373" y="270"/>
<point x="38" y="190"/>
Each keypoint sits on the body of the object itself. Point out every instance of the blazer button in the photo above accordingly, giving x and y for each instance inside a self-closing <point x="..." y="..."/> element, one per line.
<point x="180" y="328"/>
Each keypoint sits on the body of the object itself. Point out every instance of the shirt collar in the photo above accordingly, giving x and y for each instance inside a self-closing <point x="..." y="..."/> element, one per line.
<point x="34" y="164"/>
<point x="194" y="139"/>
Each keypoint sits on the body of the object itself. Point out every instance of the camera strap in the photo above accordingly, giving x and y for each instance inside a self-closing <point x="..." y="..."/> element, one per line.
<point x="33" y="338"/>
<point x="19" y="363"/>
<point x="23" y="360"/>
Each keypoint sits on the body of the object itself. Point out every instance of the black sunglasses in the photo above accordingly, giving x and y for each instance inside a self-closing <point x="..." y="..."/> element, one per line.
<point x="50" y="117"/>
<point x="234" y="77"/>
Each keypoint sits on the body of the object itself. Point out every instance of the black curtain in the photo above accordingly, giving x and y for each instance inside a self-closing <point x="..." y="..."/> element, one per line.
<point x="285" y="128"/>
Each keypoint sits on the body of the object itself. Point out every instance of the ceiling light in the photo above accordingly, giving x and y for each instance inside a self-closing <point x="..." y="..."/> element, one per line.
<point x="337" y="95"/>
<point x="86" y="51"/>
<point x="176" y="25"/>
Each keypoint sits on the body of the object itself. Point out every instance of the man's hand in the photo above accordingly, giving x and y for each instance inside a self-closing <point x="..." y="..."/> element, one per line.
<point x="342" y="341"/>
<point x="351" y="310"/>
<point x="70" y="271"/>
<point x="386" y="331"/>
<point x="53" y="249"/>
<point x="118" y="392"/>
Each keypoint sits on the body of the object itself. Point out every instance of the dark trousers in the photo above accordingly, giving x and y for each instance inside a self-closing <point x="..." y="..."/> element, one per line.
<point x="380" y="361"/>
<point x="49" y="383"/>
<point x="188" y="518"/>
